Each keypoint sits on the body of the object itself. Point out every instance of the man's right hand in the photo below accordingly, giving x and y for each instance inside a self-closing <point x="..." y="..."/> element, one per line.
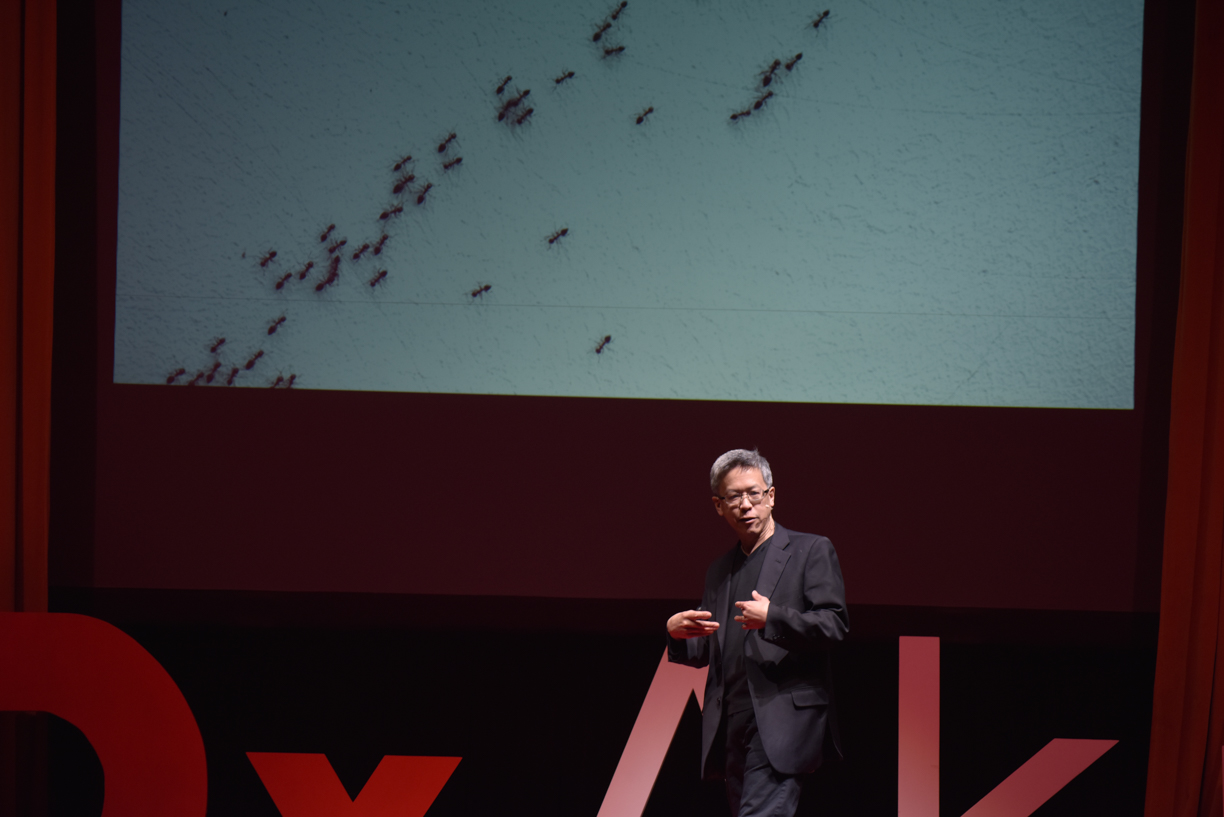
<point x="691" y="624"/>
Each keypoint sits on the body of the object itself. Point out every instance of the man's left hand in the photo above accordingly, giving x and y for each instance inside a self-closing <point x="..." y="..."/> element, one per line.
<point x="753" y="613"/>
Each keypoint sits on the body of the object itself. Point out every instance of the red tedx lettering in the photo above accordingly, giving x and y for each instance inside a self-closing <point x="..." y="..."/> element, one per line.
<point x="1035" y="782"/>
<point x="651" y="736"/>
<point x="305" y="785"/>
<point x="1039" y="779"/>
<point x="101" y="681"/>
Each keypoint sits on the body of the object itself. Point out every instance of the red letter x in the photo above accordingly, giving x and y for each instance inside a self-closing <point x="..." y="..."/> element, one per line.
<point x="305" y="785"/>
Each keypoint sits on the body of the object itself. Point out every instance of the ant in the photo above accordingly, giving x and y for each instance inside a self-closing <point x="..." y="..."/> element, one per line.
<point x="767" y="75"/>
<point x="400" y="164"/>
<point x="394" y="211"/>
<point x="378" y="279"/>
<point x="267" y="259"/>
<point x="603" y="344"/>
<point x="741" y="114"/>
<point x="277" y="381"/>
<point x="816" y="23"/>
<point x="424" y="191"/>
<point x="793" y="61"/>
<point x="378" y="247"/>
<point x="199" y="376"/>
<point x="250" y="364"/>
<point x="642" y="116"/>
<point x="501" y="88"/>
<point x="402" y="182"/>
<point x="326" y="233"/>
<point x="305" y="270"/>
<point x="208" y="378"/>
<point x="617" y="13"/>
<point x="213" y="349"/>
<point x="276" y="325"/>
<point x="756" y="106"/>
<point x="598" y="35"/>
<point x="229" y="381"/>
<point x="289" y="382"/>
<point x="479" y="291"/>
<point x="614" y="52"/>
<point x="563" y="77"/>
<point x="361" y="250"/>
<point x="336" y="246"/>
<point x="445" y="142"/>
<point x="511" y="104"/>
<point x="523" y="117"/>
<point x="175" y="376"/>
<point x="281" y="283"/>
<point x="453" y="163"/>
<point x="333" y="273"/>
<point x="552" y="239"/>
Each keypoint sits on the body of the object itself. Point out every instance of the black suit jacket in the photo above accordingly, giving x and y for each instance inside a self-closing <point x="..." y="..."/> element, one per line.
<point x="787" y="662"/>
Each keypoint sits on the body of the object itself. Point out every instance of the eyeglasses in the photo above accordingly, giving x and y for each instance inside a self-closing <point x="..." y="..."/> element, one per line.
<point x="754" y="497"/>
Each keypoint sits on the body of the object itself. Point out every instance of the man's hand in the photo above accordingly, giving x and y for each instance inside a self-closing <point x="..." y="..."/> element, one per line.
<point x="753" y="613"/>
<point x="691" y="624"/>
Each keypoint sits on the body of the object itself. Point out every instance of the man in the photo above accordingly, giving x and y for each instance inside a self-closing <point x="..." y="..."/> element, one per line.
<point x="772" y="608"/>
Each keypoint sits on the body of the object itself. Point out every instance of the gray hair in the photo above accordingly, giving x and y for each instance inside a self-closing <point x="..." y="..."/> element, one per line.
<point x="739" y="458"/>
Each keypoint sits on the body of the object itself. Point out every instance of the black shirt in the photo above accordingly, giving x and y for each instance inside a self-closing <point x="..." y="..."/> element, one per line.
<point x="745" y="570"/>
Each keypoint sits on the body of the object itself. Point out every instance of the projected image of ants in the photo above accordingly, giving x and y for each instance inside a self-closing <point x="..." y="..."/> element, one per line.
<point x="558" y="235"/>
<point x="603" y="344"/>
<point x="479" y="291"/>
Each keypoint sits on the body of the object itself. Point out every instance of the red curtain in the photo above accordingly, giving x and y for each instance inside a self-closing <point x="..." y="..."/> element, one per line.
<point x="27" y="265"/>
<point x="1184" y="767"/>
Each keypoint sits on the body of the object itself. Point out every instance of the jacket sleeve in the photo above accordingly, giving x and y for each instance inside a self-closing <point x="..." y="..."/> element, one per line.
<point x="823" y="619"/>
<point x="693" y="652"/>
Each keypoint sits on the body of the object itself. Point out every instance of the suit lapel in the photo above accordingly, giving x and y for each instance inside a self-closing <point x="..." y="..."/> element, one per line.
<point x="775" y="561"/>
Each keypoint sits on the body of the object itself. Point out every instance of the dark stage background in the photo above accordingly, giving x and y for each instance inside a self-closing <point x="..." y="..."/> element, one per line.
<point x="364" y="574"/>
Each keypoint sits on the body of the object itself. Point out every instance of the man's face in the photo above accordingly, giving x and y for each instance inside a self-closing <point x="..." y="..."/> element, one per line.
<point x="747" y="520"/>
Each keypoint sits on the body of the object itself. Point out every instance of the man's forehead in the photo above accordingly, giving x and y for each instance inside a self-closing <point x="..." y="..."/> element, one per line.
<point x="742" y="477"/>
